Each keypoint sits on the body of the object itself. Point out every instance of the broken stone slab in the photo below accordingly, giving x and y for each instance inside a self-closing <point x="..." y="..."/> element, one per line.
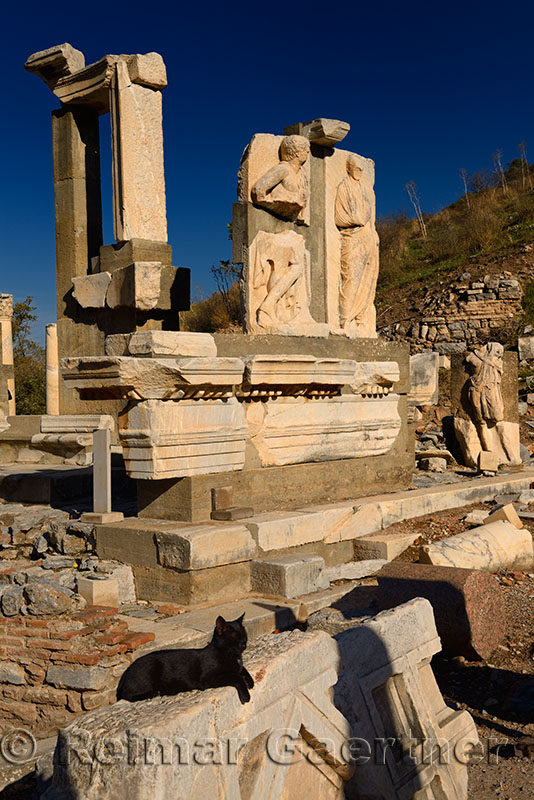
<point x="476" y="517"/>
<point x="150" y="378"/>
<point x="386" y="546"/>
<point x="375" y="378"/>
<point x="326" y="132"/>
<point x="298" y="369"/>
<point x="276" y="530"/>
<point x="433" y="464"/>
<point x="203" y="546"/>
<point x="525" y="346"/>
<point x="162" y="344"/>
<point x="507" y="513"/>
<point x="288" y="575"/>
<point x="55" y="63"/>
<point x="468" y="604"/>
<point x="90" y="290"/>
<point x="493" y="547"/>
<point x="424" y="371"/>
<point x="353" y="570"/>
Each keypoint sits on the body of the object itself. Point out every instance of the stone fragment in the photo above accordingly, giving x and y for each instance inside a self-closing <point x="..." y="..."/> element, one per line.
<point x="375" y="378"/>
<point x="99" y="592"/>
<point x="507" y="513"/>
<point x="90" y="290"/>
<point x="468" y="604"/>
<point x="526" y="497"/>
<point x="493" y="547"/>
<point x="136" y="286"/>
<point x="12" y="673"/>
<point x="488" y="461"/>
<point x="203" y="546"/>
<point x="424" y="370"/>
<point x="433" y="464"/>
<point x="77" y="677"/>
<point x="76" y="423"/>
<point x="476" y="517"/>
<point x="55" y="63"/>
<point x="147" y="69"/>
<point x="525" y="346"/>
<point x="222" y="497"/>
<point x="326" y="132"/>
<point x="234" y="513"/>
<point x="123" y="574"/>
<point x="46" y="600"/>
<point x="301" y="369"/>
<point x="385" y="546"/>
<point x="11" y="601"/>
<point x="353" y="570"/>
<point x="275" y="530"/>
<point x="162" y="344"/>
<point x="288" y="575"/>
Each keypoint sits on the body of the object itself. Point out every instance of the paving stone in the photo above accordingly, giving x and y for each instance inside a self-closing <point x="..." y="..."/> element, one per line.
<point x="468" y="604"/>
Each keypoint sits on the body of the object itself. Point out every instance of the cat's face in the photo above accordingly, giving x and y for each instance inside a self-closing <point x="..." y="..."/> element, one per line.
<point x="231" y="634"/>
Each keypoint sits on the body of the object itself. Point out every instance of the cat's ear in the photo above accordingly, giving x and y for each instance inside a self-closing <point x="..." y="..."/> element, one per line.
<point x="220" y="625"/>
<point x="241" y="618"/>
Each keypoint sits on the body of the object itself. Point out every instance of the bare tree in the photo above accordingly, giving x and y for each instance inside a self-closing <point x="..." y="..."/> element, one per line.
<point x="463" y="175"/>
<point x="411" y="188"/>
<point x="496" y="158"/>
<point x="525" y="167"/>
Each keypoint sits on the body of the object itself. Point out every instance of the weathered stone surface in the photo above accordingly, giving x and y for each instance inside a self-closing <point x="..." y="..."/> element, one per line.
<point x="11" y="672"/>
<point x="288" y="576"/>
<point x="11" y="601"/>
<point x="326" y="132"/>
<point x="476" y="517"/>
<point x="525" y="345"/>
<point x="163" y="439"/>
<point x="354" y="570"/>
<point x="162" y="344"/>
<point x="289" y="430"/>
<point x="76" y="423"/>
<point x="424" y="371"/>
<point x="77" y="677"/>
<point x="147" y="69"/>
<point x="433" y="464"/>
<point x="493" y="547"/>
<point x="295" y="370"/>
<point x="90" y="290"/>
<point x="278" y="529"/>
<point x="100" y="591"/>
<point x="506" y="513"/>
<point x="136" y="286"/>
<point x="199" y="547"/>
<point x="55" y="62"/>
<point x="488" y="461"/>
<point x="468" y="604"/>
<point x="46" y="600"/>
<point x="375" y="377"/>
<point x="386" y="545"/>
<point x="150" y="378"/>
<point x="502" y="439"/>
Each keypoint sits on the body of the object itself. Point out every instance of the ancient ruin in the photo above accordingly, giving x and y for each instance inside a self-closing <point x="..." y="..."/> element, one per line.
<point x="178" y="475"/>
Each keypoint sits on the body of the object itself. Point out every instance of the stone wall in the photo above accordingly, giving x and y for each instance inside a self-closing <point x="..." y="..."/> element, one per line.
<point x="463" y="313"/>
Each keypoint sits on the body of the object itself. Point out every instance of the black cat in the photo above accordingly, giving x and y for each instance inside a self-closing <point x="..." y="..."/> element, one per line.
<point x="167" y="672"/>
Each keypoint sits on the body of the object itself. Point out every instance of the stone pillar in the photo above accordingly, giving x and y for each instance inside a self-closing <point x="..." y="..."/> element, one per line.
<point x="52" y="371"/>
<point x="102" y="480"/>
<point x="139" y="210"/>
<point x="7" y="374"/>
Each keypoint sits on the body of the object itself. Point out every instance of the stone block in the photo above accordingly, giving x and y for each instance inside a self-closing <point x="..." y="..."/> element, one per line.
<point x="162" y="344"/>
<point x="424" y="384"/>
<point x="375" y="377"/>
<point x="12" y="673"/>
<point x="99" y="591"/>
<point x="488" y="461"/>
<point x="55" y="63"/>
<point x="507" y="513"/>
<point x="326" y="132"/>
<point x="525" y="346"/>
<point x="90" y="290"/>
<point x="148" y="70"/>
<point x="468" y="605"/>
<point x="233" y="513"/>
<point x="77" y="677"/>
<point x="493" y="547"/>
<point x="101" y="517"/>
<point x="222" y="497"/>
<point x="203" y="546"/>
<point x="136" y="286"/>
<point x="278" y="529"/>
<point x="433" y="464"/>
<point x="288" y="576"/>
<point x="76" y="423"/>
<point x="386" y="546"/>
<point x="122" y="254"/>
<point x="296" y="370"/>
<point x="353" y="570"/>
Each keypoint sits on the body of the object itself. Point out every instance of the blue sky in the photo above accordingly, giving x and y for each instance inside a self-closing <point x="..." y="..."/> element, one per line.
<point x="427" y="88"/>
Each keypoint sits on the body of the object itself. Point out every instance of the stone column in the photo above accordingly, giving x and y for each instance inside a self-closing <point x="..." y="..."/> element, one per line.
<point x="102" y="480"/>
<point x="7" y="374"/>
<point x="52" y="371"/>
<point x="139" y="210"/>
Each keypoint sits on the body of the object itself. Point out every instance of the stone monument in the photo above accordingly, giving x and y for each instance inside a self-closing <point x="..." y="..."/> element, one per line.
<point x="484" y="404"/>
<point x="128" y="285"/>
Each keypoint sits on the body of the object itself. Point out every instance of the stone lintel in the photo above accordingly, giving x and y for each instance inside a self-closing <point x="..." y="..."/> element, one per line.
<point x="298" y="369"/>
<point x="55" y="63"/>
<point x="114" y="256"/>
<point x="326" y="132"/>
<point x="89" y="86"/>
<point x="161" y="344"/>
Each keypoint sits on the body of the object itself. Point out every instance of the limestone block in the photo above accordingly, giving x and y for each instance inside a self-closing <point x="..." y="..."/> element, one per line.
<point x="169" y="439"/>
<point x="288" y="575"/>
<point x="295" y="370"/>
<point x="90" y="290"/>
<point x="76" y="423"/>
<point x="147" y="69"/>
<point x="89" y="86"/>
<point x="444" y="362"/>
<point x="124" y="576"/>
<point x="151" y="378"/>
<point x="326" y="132"/>
<point x="493" y="547"/>
<point x="503" y="439"/>
<point x="162" y="344"/>
<point x="99" y="591"/>
<point x="139" y="208"/>
<point x="202" y="546"/>
<point x="375" y="377"/>
<point x="275" y="530"/>
<point x="354" y="570"/>
<point x="392" y="692"/>
<point x="55" y="63"/>
<point x="433" y="464"/>
<point x="386" y="546"/>
<point x="291" y="697"/>
<point x="488" y="462"/>
<point x="468" y="605"/>
<point x="424" y="371"/>
<point x="291" y="430"/>
<point x="525" y="345"/>
<point x="366" y="519"/>
<point x="136" y="286"/>
<point x="332" y="520"/>
<point x="506" y="513"/>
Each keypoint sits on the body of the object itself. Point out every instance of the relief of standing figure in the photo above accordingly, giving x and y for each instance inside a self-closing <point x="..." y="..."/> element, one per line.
<point x="359" y="261"/>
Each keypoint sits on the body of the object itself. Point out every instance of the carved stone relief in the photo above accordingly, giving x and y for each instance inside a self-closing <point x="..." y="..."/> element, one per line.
<point x="284" y="189"/>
